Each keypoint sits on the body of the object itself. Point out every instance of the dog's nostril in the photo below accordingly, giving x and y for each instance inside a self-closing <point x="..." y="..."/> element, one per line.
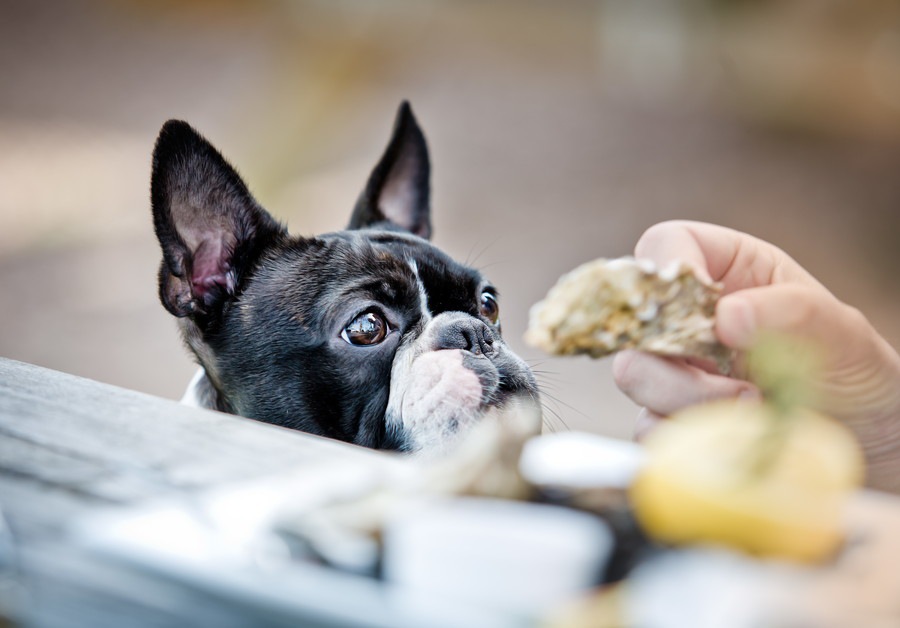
<point x="487" y="340"/>
<point x="470" y="340"/>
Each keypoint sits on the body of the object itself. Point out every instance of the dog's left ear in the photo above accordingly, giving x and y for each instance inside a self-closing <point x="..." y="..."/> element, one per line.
<point x="397" y="194"/>
<point x="209" y="227"/>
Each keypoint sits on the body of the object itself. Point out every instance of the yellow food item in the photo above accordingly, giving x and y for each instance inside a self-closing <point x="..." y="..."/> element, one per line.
<point x="737" y="473"/>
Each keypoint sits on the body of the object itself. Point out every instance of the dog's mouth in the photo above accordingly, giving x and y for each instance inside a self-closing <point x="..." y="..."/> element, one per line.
<point x="501" y="379"/>
<point x="447" y="392"/>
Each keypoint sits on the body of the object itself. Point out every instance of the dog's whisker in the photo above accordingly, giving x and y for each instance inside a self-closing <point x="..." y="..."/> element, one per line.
<point x="568" y="406"/>
<point x="541" y="376"/>
<point x="483" y="250"/>
<point x="499" y="262"/>
<point x="550" y="412"/>
<point x="538" y="361"/>
<point x="547" y="385"/>
<point x="534" y="368"/>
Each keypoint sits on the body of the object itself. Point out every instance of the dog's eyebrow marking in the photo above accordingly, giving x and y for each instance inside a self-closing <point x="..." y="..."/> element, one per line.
<point x="423" y="295"/>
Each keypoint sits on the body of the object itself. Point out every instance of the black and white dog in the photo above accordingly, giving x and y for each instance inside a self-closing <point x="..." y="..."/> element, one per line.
<point x="370" y="335"/>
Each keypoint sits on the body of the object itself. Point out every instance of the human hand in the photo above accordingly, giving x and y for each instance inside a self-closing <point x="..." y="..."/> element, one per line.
<point x="765" y="290"/>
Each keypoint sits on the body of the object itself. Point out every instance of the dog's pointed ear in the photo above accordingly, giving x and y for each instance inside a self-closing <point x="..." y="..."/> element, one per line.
<point x="397" y="193"/>
<point x="210" y="228"/>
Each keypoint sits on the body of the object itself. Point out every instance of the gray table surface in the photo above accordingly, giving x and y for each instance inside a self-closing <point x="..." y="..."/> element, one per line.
<point x="70" y="447"/>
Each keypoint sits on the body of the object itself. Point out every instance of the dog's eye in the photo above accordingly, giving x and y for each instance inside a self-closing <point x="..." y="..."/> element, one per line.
<point x="489" y="307"/>
<point x="369" y="328"/>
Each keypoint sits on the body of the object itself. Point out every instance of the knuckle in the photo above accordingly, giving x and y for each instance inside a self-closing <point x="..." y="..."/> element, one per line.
<point x="854" y="317"/>
<point x="804" y="311"/>
<point x="801" y="306"/>
<point x="655" y="234"/>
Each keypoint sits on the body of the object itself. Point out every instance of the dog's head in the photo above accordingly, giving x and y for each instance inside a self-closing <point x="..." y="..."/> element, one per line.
<point x="370" y="335"/>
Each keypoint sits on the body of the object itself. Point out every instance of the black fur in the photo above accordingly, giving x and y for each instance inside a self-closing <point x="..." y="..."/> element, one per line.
<point x="264" y="311"/>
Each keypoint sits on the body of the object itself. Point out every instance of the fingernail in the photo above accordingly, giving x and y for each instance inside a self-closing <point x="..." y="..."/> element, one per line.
<point x="735" y="322"/>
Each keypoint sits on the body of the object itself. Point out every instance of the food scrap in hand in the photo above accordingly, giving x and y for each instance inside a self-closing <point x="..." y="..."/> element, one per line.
<point x="607" y="305"/>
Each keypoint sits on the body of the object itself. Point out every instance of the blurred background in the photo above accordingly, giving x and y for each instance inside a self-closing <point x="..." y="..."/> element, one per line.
<point x="558" y="131"/>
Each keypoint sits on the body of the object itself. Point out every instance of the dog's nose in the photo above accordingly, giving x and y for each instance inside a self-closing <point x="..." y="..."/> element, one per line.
<point x="469" y="334"/>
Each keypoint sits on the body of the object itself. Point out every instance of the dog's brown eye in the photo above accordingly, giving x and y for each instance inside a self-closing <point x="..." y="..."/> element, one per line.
<point x="489" y="307"/>
<point x="369" y="328"/>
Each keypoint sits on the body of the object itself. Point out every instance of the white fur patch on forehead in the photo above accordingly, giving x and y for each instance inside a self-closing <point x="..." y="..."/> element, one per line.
<point x="423" y="295"/>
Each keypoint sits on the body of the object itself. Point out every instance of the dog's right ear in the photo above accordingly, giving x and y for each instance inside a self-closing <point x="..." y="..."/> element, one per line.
<point x="397" y="193"/>
<point x="210" y="228"/>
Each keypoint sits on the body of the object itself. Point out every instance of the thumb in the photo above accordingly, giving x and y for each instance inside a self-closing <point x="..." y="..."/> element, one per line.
<point x="861" y="369"/>
<point x="802" y="310"/>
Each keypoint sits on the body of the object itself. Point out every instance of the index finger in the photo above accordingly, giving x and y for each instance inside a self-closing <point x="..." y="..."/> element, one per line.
<point x="736" y="259"/>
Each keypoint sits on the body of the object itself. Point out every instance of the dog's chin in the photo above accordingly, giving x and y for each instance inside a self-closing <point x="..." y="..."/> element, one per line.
<point x="448" y="392"/>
